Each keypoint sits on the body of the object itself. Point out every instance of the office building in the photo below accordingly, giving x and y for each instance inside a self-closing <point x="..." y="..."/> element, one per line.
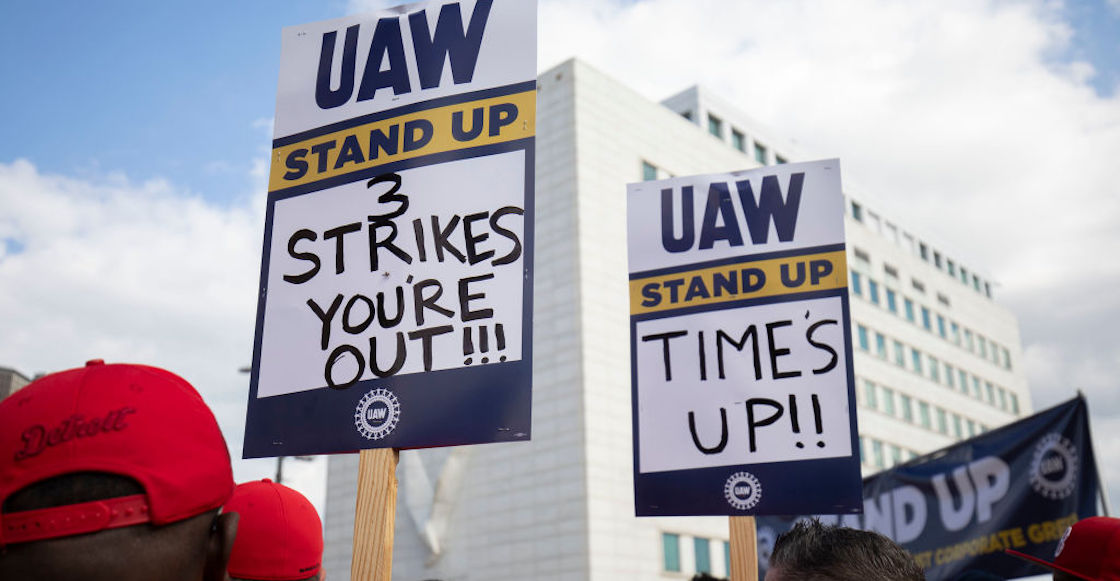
<point x="936" y="359"/>
<point x="11" y="381"/>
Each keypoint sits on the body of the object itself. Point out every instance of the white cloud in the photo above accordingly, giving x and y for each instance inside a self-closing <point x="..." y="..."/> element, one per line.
<point x="133" y="272"/>
<point x="954" y="116"/>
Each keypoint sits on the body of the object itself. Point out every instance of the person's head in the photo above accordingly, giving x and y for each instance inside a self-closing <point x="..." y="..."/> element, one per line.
<point x="1089" y="551"/>
<point x="279" y="535"/>
<point x="811" y="551"/>
<point x="112" y="472"/>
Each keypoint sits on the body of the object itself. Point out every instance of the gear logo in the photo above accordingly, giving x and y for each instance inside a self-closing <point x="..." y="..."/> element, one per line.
<point x="377" y="414"/>
<point x="1054" y="467"/>
<point x="742" y="490"/>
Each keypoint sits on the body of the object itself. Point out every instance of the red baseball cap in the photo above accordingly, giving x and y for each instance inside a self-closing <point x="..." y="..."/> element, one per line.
<point x="1089" y="550"/>
<point x="279" y="535"/>
<point x="141" y="422"/>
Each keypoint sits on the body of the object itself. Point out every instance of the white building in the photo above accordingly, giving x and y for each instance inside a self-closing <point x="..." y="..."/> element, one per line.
<point x="936" y="359"/>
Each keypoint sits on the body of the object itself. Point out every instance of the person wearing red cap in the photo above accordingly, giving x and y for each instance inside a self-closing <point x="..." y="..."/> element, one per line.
<point x="113" y="472"/>
<point x="1089" y="551"/>
<point x="280" y="536"/>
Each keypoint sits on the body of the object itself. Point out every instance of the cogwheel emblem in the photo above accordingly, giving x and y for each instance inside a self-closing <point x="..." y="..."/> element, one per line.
<point x="1054" y="467"/>
<point x="377" y="414"/>
<point x="742" y="490"/>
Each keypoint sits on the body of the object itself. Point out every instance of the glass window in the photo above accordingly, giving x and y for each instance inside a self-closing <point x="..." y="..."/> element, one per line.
<point x="942" y="421"/>
<point x="760" y="153"/>
<point x="880" y="345"/>
<point x="715" y="126"/>
<point x="888" y="401"/>
<point x="916" y="359"/>
<point x="863" y="341"/>
<point x="949" y="376"/>
<point x="877" y="453"/>
<point x="871" y="397"/>
<point x="987" y="289"/>
<point x="957" y="426"/>
<point x="964" y="382"/>
<point x="649" y="171"/>
<point x="890" y="271"/>
<point x="1002" y="398"/>
<point x="857" y="212"/>
<point x="971" y="428"/>
<point x="738" y="140"/>
<point x="727" y="557"/>
<point x="703" y="552"/>
<point x="1006" y="359"/>
<point x="990" y="391"/>
<point x="923" y="414"/>
<point x="941" y="327"/>
<point x="937" y="259"/>
<point x="975" y="282"/>
<point x="956" y="329"/>
<point x="907" y="410"/>
<point x="896" y="455"/>
<point x="899" y="354"/>
<point x="934" y="369"/>
<point x="873" y="291"/>
<point x="857" y="283"/>
<point x="980" y="340"/>
<point x="779" y="160"/>
<point x="964" y="275"/>
<point x="671" y="551"/>
<point x="952" y="267"/>
<point x="968" y="340"/>
<point x="909" y="304"/>
<point x="892" y="301"/>
<point x="923" y="251"/>
<point x="976" y="388"/>
<point x="918" y="285"/>
<point x="926" y="319"/>
<point x="1014" y="403"/>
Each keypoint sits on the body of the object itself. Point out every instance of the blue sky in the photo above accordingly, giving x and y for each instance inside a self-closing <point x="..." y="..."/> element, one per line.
<point x="135" y="135"/>
<point x="179" y="90"/>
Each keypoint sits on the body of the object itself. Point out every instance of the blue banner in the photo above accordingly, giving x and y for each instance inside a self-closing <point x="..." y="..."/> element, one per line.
<point x="957" y="509"/>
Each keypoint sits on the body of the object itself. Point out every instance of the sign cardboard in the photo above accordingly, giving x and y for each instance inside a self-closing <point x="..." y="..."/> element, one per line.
<point x="741" y="358"/>
<point x="396" y="275"/>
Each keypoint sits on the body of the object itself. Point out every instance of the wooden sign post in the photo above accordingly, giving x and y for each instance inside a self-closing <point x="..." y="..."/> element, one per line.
<point x="375" y="515"/>
<point x="744" y="549"/>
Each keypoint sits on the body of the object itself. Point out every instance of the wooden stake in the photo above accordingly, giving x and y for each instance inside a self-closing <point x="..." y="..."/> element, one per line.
<point x="744" y="549"/>
<point x="375" y="515"/>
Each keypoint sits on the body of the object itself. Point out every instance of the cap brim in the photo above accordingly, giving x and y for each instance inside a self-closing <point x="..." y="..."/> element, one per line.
<point x="1046" y="564"/>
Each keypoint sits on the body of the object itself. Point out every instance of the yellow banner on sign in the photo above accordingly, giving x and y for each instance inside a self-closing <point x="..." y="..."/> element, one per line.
<point x="743" y="280"/>
<point x="439" y="130"/>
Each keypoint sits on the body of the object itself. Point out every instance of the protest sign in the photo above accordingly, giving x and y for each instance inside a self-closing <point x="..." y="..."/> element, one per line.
<point x="740" y="350"/>
<point x="957" y="509"/>
<point x="396" y="277"/>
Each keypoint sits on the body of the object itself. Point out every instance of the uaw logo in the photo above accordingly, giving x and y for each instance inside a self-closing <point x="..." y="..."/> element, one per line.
<point x="742" y="490"/>
<point x="377" y="414"/>
<point x="1054" y="467"/>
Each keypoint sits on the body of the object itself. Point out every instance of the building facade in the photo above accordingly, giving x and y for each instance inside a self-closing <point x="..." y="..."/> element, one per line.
<point x="11" y="381"/>
<point x="936" y="359"/>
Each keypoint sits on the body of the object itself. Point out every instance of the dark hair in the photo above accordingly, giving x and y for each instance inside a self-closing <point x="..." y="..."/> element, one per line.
<point x="71" y="488"/>
<point x="812" y="551"/>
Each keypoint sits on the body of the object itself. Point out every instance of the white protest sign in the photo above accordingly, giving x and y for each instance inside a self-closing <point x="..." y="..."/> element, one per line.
<point x="739" y="336"/>
<point x="397" y="264"/>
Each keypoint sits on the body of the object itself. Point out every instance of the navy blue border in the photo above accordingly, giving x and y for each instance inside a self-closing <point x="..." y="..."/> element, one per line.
<point x="738" y="260"/>
<point x="820" y="486"/>
<point x="471" y="405"/>
<point x="405" y="110"/>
